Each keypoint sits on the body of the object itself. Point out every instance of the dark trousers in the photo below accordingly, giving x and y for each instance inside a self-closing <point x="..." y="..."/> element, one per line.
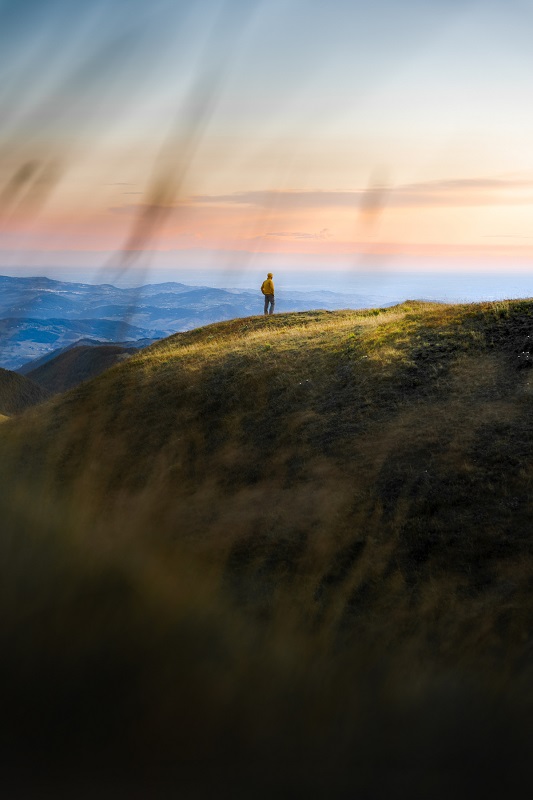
<point x="269" y="300"/>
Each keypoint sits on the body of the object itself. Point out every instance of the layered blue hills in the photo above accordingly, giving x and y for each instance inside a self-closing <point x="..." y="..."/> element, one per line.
<point x="39" y="316"/>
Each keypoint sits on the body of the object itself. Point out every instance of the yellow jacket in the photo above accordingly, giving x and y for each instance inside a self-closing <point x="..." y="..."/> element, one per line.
<point x="267" y="287"/>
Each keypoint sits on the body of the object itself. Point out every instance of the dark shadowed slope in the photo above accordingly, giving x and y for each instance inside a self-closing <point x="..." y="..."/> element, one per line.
<point x="18" y="392"/>
<point x="78" y="364"/>
<point x="137" y="344"/>
<point x="297" y="549"/>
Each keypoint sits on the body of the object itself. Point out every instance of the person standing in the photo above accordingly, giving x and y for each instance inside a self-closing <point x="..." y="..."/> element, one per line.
<point x="267" y="287"/>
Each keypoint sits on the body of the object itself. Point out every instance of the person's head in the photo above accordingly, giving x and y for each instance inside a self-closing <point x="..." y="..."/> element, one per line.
<point x="270" y="275"/>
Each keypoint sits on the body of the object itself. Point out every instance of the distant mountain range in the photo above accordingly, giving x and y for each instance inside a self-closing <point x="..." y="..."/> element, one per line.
<point x="39" y="316"/>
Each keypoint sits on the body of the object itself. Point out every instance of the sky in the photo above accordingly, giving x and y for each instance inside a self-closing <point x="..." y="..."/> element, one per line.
<point x="292" y="133"/>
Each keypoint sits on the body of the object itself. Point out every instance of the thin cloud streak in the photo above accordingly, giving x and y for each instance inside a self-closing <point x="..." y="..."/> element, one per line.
<point x="460" y="192"/>
<point x="322" y="235"/>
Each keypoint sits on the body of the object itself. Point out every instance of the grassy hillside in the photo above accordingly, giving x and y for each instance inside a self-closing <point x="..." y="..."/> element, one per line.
<point x="77" y="364"/>
<point x="298" y="548"/>
<point x="18" y="393"/>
